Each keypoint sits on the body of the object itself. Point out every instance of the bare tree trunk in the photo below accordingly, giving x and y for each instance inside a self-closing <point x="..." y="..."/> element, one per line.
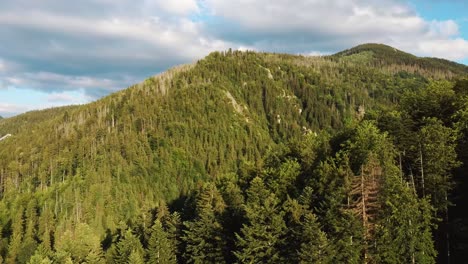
<point x="401" y="167"/>
<point x="422" y="171"/>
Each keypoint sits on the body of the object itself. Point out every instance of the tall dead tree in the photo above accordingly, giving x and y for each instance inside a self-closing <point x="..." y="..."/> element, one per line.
<point x="365" y="202"/>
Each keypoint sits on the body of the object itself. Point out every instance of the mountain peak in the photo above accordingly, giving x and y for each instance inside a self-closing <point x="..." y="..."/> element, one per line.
<point x="381" y="55"/>
<point x="377" y="48"/>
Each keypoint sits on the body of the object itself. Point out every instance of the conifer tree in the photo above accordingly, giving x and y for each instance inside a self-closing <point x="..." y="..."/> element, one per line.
<point x="16" y="237"/>
<point x="403" y="232"/>
<point x="80" y="244"/>
<point x="29" y="243"/>
<point x="136" y="258"/>
<point x="127" y="245"/>
<point x="204" y="236"/>
<point x="160" y="248"/>
<point x="39" y="259"/>
<point x="439" y="158"/>
<point x="262" y="234"/>
<point x="172" y="225"/>
<point x="314" y="247"/>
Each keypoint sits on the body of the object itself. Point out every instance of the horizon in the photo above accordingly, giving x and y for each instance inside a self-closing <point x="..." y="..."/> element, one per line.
<point x="257" y="51"/>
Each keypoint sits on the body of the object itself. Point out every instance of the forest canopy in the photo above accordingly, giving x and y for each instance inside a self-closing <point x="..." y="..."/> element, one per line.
<point x="247" y="157"/>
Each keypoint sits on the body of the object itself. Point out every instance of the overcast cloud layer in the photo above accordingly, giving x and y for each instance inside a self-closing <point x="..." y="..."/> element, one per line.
<point x="100" y="46"/>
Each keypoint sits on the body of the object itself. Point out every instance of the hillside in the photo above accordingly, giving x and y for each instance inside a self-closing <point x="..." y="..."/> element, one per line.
<point x="394" y="60"/>
<point x="218" y="151"/>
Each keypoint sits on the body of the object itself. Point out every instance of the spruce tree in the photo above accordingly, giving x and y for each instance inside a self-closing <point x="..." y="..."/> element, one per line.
<point x="160" y="248"/>
<point x="204" y="236"/>
<point x="261" y="236"/>
<point x="314" y="247"/>
<point x="136" y="258"/>
<point x="127" y="245"/>
<point x="16" y="237"/>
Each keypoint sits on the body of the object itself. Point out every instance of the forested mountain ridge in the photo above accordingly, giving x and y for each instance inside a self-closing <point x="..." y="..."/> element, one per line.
<point x="394" y="60"/>
<point x="240" y="141"/>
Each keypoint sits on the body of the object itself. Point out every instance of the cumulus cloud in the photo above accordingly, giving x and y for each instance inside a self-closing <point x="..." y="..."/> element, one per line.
<point x="46" y="100"/>
<point x="334" y="25"/>
<point x="2" y="66"/>
<point x="73" y="46"/>
<point x="67" y="98"/>
<point x="180" y="7"/>
<point x="7" y="110"/>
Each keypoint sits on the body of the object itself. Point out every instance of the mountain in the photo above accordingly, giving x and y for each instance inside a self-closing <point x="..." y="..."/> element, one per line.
<point x="205" y="156"/>
<point x="387" y="57"/>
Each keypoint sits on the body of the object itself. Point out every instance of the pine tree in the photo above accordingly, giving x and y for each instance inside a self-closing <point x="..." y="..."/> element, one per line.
<point x="127" y="245"/>
<point x="160" y="248"/>
<point x="136" y="258"/>
<point x="172" y="225"/>
<point x="39" y="259"/>
<point x="81" y="244"/>
<point x="204" y="236"/>
<point x="366" y="189"/>
<point x="404" y="225"/>
<point x="314" y="247"/>
<point x="233" y="216"/>
<point x="259" y="239"/>
<point x="16" y="237"/>
<point x="438" y="159"/>
<point x="29" y="243"/>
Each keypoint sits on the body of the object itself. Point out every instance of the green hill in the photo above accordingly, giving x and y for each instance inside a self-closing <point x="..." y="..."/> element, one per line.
<point x="235" y="138"/>
<point x="387" y="57"/>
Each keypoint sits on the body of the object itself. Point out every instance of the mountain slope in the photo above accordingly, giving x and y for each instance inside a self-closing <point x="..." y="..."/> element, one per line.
<point x="385" y="56"/>
<point x="278" y="96"/>
<point x="110" y="163"/>
<point x="182" y="126"/>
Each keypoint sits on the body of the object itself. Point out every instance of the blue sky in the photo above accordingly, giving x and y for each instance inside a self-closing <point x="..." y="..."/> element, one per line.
<point x="55" y="52"/>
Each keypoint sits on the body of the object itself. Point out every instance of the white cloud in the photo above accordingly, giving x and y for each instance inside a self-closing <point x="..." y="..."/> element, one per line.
<point x="453" y="49"/>
<point x="246" y="48"/>
<point x="99" y="54"/>
<point x="316" y="53"/>
<point x="339" y="24"/>
<point x="57" y="81"/>
<point x="42" y="101"/>
<point x="183" y="37"/>
<point x="178" y="7"/>
<point x="67" y="98"/>
<point x="3" y="66"/>
<point x="7" y="109"/>
<point x="444" y="29"/>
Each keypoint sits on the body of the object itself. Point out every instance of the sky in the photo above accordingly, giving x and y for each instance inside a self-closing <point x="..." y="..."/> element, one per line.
<point x="55" y="52"/>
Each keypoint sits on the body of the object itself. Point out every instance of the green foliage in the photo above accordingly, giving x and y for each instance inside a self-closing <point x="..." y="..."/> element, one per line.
<point x="404" y="229"/>
<point x="260" y="238"/>
<point x="439" y="159"/>
<point x="160" y="248"/>
<point x="204" y="236"/>
<point x="135" y="257"/>
<point x="127" y="248"/>
<point x="314" y="247"/>
<point x="241" y="157"/>
<point x="82" y="245"/>
<point x="398" y="61"/>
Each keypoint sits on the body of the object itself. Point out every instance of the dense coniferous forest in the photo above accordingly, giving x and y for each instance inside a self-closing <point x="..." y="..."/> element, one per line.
<point x="247" y="157"/>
